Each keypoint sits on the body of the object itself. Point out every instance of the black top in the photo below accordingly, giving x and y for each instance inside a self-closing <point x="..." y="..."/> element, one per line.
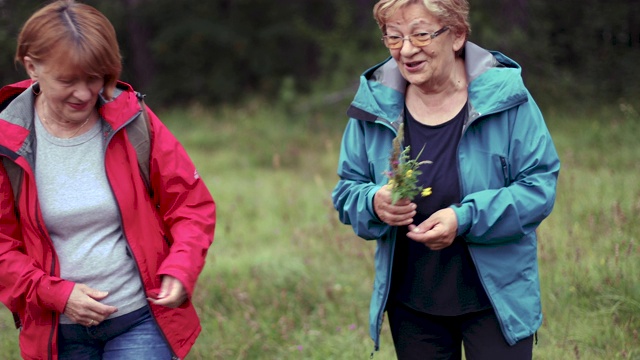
<point x="443" y="282"/>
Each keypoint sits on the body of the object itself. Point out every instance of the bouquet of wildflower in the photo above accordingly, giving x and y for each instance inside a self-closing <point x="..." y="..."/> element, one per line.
<point x="403" y="176"/>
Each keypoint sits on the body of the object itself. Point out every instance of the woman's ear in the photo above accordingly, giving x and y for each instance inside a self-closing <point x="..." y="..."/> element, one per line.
<point x="459" y="40"/>
<point x="31" y="67"/>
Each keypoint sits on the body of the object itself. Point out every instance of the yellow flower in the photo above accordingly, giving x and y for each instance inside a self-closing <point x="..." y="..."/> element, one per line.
<point x="409" y="173"/>
<point x="426" y="192"/>
<point x="391" y="182"/>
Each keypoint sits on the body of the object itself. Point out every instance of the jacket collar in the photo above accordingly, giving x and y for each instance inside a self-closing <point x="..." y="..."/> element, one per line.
<point x="17" y="115"/>
<point x="17" y="102"/>
<point x="380" y="95"/>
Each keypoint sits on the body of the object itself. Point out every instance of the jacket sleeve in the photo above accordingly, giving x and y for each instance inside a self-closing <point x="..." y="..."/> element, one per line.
<point x="353" y="195"/>
<point x="491" y="216"/>
<point x="185" y="205"/>
<point x="22" y="280"/>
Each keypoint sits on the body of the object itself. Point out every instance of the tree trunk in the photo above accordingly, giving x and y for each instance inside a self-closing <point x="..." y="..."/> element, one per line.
<point x="515" y="13"/>
<point x="139" y="57"/>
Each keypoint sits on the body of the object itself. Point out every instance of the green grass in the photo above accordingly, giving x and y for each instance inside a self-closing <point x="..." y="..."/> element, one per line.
<point x="285" y="280"/>
<point x="590" y="246"/>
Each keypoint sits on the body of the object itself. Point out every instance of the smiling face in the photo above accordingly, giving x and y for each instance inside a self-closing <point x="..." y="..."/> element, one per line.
<point x="68" y="93"/>
<point x="429" y="67"/>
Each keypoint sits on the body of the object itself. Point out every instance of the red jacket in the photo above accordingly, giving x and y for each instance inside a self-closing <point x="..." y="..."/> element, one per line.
<point x="168" y="235"/>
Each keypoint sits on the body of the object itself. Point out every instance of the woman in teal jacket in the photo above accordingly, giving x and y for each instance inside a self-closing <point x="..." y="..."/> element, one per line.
<point x="505" y="160"/>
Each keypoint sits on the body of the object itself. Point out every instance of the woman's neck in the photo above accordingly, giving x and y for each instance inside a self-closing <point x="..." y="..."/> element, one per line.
<point x="63" y="129"/>
<point x="437" y="104"/>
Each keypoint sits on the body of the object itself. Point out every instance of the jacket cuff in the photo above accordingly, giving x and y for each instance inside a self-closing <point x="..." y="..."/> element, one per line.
<point x="463" y="213"/>
<point x="371" y="195"/>
<point x="54" y="294"/>
<point x="189" y="286"/>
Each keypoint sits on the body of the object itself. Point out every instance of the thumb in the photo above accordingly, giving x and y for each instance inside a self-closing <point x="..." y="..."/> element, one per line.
<point x="165" y="288"/>
<point x="97" y="294"/>
<point x="425" y="226"/>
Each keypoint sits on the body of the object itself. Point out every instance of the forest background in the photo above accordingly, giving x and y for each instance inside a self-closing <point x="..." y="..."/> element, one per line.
<point x="215" y="51"/>
<point x="257" y="90"/>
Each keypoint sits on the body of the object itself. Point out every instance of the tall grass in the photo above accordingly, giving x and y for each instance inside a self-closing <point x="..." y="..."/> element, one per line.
<point x="285" y="280"/>
<point x="590" y="246"/>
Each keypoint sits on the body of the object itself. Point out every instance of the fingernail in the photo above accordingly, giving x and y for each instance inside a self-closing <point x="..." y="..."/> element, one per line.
<point x="416" y="230"/>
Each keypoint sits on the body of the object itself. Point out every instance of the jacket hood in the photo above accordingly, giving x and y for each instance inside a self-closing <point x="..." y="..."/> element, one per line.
<point x="495" y="83"/>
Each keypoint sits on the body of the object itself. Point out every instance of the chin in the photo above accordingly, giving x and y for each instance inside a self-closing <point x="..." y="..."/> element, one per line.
<point x="419" y="82"/>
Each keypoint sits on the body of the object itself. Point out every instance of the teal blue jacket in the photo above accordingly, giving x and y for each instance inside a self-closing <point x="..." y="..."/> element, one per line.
<point x="508" y="169"/>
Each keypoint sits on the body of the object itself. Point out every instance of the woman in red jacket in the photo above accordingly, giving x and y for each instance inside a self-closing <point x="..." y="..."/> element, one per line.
<point x="97" y="263"/>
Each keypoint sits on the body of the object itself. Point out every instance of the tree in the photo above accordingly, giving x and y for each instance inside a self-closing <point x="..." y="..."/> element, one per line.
<point x="141" y="60"/>
<point x="224" y="50"/>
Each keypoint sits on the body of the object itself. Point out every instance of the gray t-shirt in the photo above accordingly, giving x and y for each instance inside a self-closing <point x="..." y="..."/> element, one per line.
<point x="83" y="219"/>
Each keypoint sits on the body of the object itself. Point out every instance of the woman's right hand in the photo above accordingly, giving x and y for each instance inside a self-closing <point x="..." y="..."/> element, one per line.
<point x="400" y="214"/>
<point x="84" y="307"/>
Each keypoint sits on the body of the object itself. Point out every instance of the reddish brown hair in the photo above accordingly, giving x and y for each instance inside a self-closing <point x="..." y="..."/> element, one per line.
<point x="84" y="34"/>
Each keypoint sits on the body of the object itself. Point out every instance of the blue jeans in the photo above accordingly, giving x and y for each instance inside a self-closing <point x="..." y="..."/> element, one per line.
<point x="130" y="336"/>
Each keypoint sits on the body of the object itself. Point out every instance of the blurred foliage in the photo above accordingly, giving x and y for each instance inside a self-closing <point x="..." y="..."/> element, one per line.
<point x="223" y="51"/>
<point x="576" y="53"/>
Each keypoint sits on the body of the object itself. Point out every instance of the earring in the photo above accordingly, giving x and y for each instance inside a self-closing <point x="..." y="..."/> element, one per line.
<point x="36" y="89"/>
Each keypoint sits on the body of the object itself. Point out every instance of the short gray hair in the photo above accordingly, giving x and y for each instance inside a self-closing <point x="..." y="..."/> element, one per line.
<point x="452" y="13"/>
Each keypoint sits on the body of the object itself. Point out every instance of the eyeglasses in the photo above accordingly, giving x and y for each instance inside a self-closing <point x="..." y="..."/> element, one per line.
<point x="421" y="39"/>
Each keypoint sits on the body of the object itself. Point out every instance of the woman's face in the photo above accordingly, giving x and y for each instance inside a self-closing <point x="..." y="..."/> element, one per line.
<point x="69" y="94"/>
<point x="427" y="67"/>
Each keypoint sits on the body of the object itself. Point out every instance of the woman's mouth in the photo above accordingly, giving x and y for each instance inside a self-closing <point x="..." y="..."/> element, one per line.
<point x="80" y="106"/>
<point x="413" y="65"/>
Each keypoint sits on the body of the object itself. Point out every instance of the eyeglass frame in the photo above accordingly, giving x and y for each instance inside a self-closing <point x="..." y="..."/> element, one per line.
<point x="432" y="36"/>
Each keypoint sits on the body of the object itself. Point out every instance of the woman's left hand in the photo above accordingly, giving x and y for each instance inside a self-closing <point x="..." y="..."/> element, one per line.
<point x="438" y="231"/>
<point x="172" y="293"/>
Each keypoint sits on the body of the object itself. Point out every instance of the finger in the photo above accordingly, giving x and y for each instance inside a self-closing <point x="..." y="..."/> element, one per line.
<point x="395" y="215"/>
<point x="166" y="287"/>
<point x="423" y="235"/>
<point x="92" y="303"/>
<point x="403" y="208"/>
<point x="382" y="199"/>
<point x="400" y="202"/>
<point x="86" y="316"/>
<point x="96" y="294"/>
<point x="174" y="293"/>
<point x="420" y="232"/>
<point x="400" y="220"/>
<point x="171" y="301"/>
<point x="99" y="309"/>
<point x="81" y="308"/>
<point x="395" y="219"/>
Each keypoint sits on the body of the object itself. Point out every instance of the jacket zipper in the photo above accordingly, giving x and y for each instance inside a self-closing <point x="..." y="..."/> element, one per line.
<point x="392" y="235"/>
<point x="135" y="261"/>
<point x="52" y="269"/>
<point x="473" y="116"/>
<point x="52" y="272"/>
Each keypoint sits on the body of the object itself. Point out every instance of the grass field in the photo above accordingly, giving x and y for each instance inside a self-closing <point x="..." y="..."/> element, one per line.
<point x="285" y="280"/>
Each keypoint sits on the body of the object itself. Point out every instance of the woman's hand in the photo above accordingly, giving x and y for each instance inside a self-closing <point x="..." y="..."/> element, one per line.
<point x="438" y="231"/>
<point x="400" y="214"/>
<point x="84" y="307"/>
<point x="172" y="293"/>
